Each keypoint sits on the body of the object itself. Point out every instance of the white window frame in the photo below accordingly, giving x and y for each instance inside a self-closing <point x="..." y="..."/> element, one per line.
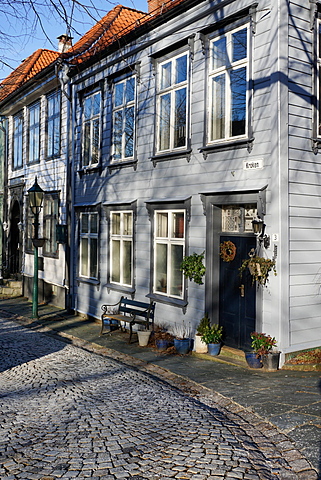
<point x="170" y="241"/>
<point x="119" y="153"/>
<point x="90" y="237"/>
<point x="91" y="149"/>
<point x="17" y="145"/>
<point x="225" y="71"/>
<point x="171" y="91"/>
<point x="53" y="124"/>
<point x="122" y="237"/>
<point x="34" y="133"/>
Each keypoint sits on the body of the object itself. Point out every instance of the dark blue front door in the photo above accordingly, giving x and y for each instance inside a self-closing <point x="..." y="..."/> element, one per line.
<point x="237" y="296"/>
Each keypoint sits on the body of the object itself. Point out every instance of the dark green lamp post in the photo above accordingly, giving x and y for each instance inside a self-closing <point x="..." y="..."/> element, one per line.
<point x="35" y="194"/>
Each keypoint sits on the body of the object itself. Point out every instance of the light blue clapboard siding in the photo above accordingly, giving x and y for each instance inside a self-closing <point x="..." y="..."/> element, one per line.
<point x="224" y="169"/>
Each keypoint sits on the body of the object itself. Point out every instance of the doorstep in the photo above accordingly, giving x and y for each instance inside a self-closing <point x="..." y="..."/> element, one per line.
<point x="228" y="355"/>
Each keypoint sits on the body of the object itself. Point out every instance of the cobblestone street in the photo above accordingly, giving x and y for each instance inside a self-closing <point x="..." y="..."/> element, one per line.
<point x="70" y="413"/>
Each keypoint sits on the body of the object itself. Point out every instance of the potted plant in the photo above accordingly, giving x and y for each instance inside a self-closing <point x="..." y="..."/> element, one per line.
<point x="262" y="345"/>
<point x="182" y="338"/>
<point x="143" y="337"/>
<point x="193" y="268"/>
<point x="212" y="336"/>
<point x="259" y="268"/>
<point x="200" y="346"/>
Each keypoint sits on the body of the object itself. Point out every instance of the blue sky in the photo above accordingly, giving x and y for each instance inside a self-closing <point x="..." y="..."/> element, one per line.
<point x="25" y="36"/>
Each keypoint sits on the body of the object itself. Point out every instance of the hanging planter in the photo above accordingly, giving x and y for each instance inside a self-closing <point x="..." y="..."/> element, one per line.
<point x="259" y="268"/>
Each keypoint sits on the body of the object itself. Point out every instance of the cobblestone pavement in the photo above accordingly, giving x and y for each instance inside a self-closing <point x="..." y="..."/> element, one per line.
<point x="67" y="412"/>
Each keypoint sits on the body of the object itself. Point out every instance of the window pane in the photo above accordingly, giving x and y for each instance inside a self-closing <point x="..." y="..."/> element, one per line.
<point x="181" y="69"/>
<point x="84" y="257"/>
<point x="238" y="108"/>
<point x="93" y="223"/>
<point x="180" y="118"/>
<point x="87" y="108"/>
<point x="161" y="268"/>
<point x="84" y="223"/>
<point x="127" y="224"/>
<point x="119" y="94"/>
<point x="166" y="75"/>
<point x="116" y="223"/>
<point x="162" y="225"/>
<point x="165" y="110"/>
<point x="115" y="261"/>
<point x="130" y="90"/>
<point x="96" y="103"/>
<point x="219" y="53"/>
<point x="218" y="107"/>
<point x="118" y="127"/>
<point x="176" y="274"/>
<point x="239" y="45"/>
<point x="93" y="257"/>
<point x="50" y="145"/>
<point x="127" y="262"/>
<point x="129" y="132"/>
<point x="178" y="225"/>
<point x="86" y="144"/>
<point x="56" y="136"/>
<point x="95" y="141"/>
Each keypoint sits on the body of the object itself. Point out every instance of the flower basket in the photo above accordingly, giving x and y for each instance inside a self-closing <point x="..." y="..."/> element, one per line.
<point x="259" y="269"/>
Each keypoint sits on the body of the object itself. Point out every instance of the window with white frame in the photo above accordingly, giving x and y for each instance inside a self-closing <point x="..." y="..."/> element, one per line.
<point x="91" y="129"/>
<point x="88" y="245"/>
<point x="17" y="140"/>
<point x="34" y="133"/>
<point x="50" y="220"/>
<point x="228" y="80"/>
<point x="172" y="103"/>
<point x="124" y="119"/>
<point x="121" y="247"/>
<point x="169" y="250"/>
<point x="53" y="124"/>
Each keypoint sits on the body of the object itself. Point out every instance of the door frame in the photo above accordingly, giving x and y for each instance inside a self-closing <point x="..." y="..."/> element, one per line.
<point x="212" y="203"/>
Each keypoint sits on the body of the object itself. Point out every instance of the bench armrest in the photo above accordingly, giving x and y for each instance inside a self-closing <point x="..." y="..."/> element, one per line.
<point x="110" y="306"/>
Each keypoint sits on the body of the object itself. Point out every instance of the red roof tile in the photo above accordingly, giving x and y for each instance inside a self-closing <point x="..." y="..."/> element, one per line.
<point x="36" y="62"/>
<point x="109" y="29"/>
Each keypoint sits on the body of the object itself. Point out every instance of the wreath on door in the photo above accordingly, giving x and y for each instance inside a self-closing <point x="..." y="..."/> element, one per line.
<point x="227" y="251"/>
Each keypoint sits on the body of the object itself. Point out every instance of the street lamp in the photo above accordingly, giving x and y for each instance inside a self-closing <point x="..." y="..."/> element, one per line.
<point x="35" y="194"/>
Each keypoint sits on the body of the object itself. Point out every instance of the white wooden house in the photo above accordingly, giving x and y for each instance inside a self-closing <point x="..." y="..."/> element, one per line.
<point x="186" y="124"/>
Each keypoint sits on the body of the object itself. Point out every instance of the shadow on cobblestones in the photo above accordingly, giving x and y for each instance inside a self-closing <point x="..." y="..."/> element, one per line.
<point x="15" y="350"/>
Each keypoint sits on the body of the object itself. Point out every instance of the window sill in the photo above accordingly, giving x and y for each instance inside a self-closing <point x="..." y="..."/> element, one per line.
<point x="175" y="302"/>
<point x="162" y="157"/>
<point x="227" y="145"/>
<point x="91" y="281"/>
<point x="50" y="255"/>
<point x="122" y="164"/>
<point x="120" y="288"/>
<point x="90" y="169"/>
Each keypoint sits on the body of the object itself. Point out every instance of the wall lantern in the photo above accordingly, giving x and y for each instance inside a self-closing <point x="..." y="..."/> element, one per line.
<point x="258" y="227"/>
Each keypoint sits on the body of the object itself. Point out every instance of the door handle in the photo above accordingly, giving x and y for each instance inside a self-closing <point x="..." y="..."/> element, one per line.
<point x="241" y="287"/>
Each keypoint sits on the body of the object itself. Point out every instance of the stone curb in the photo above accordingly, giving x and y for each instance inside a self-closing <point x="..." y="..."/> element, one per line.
<point x="287" y="463"/>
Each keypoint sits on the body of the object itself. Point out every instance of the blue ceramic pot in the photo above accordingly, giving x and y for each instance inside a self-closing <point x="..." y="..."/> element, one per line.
<point x="252" y="360"/>
<point x="214" y="349"/>
<point x="161" y="344"/>
<point x="182" y="345"/>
